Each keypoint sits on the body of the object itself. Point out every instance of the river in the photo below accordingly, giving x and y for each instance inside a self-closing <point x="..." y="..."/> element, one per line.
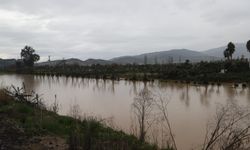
<point x="190" y="106"/>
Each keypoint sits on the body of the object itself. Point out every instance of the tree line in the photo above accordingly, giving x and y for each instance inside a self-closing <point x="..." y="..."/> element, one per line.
<point x="202" y="72"/>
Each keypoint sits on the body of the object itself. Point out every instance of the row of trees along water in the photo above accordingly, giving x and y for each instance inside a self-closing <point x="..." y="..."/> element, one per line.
<point x="202" y="72"/>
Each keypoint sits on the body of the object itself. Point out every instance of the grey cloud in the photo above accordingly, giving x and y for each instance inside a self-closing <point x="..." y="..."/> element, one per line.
<point x="225" y="12"/>
<point x="105" y="29"/>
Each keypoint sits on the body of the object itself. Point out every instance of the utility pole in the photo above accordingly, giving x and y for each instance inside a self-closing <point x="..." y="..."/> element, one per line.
<point x="179" y="59"/>
<point x="145" y="59"/>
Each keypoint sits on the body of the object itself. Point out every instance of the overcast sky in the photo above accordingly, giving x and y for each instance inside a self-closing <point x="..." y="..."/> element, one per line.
<point x="109" y="28"/>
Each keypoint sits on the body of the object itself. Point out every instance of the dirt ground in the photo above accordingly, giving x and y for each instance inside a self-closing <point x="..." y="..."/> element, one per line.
<point x="14" y="138"/>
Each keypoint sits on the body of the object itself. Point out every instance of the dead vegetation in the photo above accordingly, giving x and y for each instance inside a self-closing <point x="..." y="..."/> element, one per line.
<point x="229" y="130"/>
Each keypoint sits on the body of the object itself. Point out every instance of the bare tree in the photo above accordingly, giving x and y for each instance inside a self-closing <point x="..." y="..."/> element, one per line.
<point x="143" y="108"/>
<point x="229" y="130"/>
<point x="150" y="109"/>
<point x="161" y="101"/>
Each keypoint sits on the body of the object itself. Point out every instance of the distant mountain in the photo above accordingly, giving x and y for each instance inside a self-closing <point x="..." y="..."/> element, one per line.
<point x="240" y="49"/>
<point x="7" y="63"/>
<point x="97" y="61"/>
<point x="175" y="55"/>
<point x="74" y="61"/>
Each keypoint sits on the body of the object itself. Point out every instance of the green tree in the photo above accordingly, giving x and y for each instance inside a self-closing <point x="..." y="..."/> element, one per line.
<point x="226" y="54"/>
<point x="248" y="46"/>
<point x="231" y="49"/>
<point x="28" y="56"/>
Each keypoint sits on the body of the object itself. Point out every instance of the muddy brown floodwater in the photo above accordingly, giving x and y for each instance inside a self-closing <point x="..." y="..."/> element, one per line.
<point x="189" y="109"/>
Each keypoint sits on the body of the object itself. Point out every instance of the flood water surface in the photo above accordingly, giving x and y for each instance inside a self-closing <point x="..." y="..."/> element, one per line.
<point x="189" y="109"/>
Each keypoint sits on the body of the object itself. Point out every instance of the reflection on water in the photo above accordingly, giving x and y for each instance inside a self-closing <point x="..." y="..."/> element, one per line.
<point x="184" y="96"/>
<point x="190" y="106"/>
<point x="205" y="95"/>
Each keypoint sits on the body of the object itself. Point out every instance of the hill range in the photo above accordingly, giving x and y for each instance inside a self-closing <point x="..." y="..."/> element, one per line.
<point x="160" y="57"/>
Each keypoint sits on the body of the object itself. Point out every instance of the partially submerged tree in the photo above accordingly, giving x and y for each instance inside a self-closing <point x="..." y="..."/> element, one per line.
<point x="28" y="56"/>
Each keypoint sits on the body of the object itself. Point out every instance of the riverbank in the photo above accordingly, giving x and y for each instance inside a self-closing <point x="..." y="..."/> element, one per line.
<point x="25" y="125"/>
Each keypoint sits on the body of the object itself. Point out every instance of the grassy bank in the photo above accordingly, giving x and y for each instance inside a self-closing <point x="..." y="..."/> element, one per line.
<point x="25" y="124"/>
